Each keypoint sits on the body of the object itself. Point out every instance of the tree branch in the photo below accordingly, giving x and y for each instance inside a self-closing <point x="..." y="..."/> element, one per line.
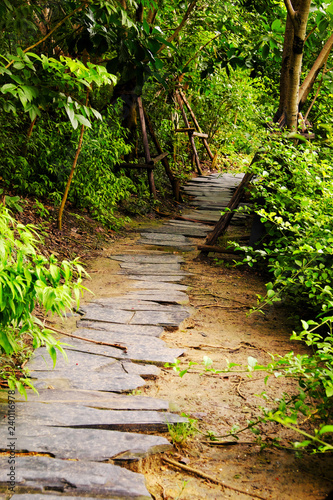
<point x="200" y="49"/>
<point x="183" y="22"/>
<point x="308" y="82"/>
<point x="82" y="6"/>
<point x="310" y="33"/>
<point x="290" y="10"/>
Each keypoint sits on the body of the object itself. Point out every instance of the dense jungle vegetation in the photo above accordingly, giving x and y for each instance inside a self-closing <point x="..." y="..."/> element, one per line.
<point x="258" y="76"/>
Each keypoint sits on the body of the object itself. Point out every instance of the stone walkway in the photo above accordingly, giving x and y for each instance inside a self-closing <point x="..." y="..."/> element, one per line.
<point x="82" y="416"/>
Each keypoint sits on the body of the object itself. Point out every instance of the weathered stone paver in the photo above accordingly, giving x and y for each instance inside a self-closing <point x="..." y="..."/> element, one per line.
<point x="94" y="399"/>
<point x="75" y="415"/>
<point x="80" y="417"/>
<point x="154" y="317"/>
<point x="85" y="444"/>
<point x="149" y="258"/>
<point x="44" y="474"/>
<point x="153" y="331"/>
<point x="141" y="349"/>
<point x="69" y="379"/>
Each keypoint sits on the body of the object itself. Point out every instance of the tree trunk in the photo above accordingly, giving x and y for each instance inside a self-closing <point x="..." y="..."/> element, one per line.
<point x="299" y="18"/>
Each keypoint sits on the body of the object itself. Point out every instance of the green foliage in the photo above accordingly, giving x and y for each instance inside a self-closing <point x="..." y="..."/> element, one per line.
<point x="295" y="192"/>
<point x="293" y="195"/>
<point x="43" y="172"/>
<point x="232" y="110"/>
<point x="182" y="431"/>
<point x="34" y="82"/>
<point x="314" y="375"/>
<point x="28" y="280"/>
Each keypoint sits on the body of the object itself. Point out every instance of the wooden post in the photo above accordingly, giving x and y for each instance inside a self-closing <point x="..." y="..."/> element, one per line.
<point x="225" y="219"/>
<point x="173" y="181"/>
<point x="150" y="173"/>
<point x="190" y="136"/>
<point x="197" y="126"/>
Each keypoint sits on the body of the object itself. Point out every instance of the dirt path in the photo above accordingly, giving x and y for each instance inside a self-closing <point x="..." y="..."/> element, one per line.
<point x="78" y="421"/>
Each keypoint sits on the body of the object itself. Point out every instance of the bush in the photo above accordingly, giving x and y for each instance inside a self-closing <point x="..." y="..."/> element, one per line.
<point x="293" y="196"/>
<point x="29" y="280"/>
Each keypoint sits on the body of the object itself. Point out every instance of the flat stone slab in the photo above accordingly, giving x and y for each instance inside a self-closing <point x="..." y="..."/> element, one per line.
<point x="76" y="361"/>
<point x="205" y="215"/>
<point x="84" y="444"/>
<point x="170" y="317"/>
<point x="177" y="238"/>
<point x="139" y="349"/>
<point x="81" y="417"/>
<point x="168" y="278"/>
<point x="148" y="258"/>
<point x="184" y="230"/>
<point x="198" y="225"/>
<point x="156" y="269"/>
<point x="164" y="243"/>
<point x="170" y="297"/>
<point x="153" y="285"/>
<point x="98" y="312"/>
<point x="47" y="475"/>
<point x="152" y="331"/>
<point x="94" y="399"/>
<point x="64" y="380"/>
<point x="86" y="359"/>
<point x="137" y="304"/>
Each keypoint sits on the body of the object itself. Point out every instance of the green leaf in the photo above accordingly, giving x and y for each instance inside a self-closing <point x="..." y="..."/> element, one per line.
<point x="53" y="353"/>
<point x="326" y="428"/>
<point x="146" y="27"/>
<point x="5" y="344"/>
<point x="329" y="391"/>
<point x="8" y="87"/>
<point x="83" y="120"/>
<point x="265" y="50"/>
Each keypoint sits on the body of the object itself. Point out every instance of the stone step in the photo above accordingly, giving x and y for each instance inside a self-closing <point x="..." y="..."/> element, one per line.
<point x="40" y="475"/>
<point x="77" y="416"/>
<point x="85" y="444"/>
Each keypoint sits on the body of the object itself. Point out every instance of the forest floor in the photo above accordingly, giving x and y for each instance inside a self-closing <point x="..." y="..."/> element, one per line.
<point x="220" y="328"/>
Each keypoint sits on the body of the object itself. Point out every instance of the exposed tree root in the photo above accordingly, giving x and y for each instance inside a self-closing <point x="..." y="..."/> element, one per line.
<point x="210" y="478"/>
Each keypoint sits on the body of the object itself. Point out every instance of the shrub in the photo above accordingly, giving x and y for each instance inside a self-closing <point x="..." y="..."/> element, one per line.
<point x="29" y="280"/>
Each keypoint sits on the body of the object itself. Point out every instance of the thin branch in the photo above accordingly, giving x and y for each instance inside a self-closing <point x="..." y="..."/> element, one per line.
<point x="180" y="27"/>
<point x="310" y="33"/>
<point x="316" y="95"/>
<point x="200" y="49"/>
<point x="52" y="31"/>
<point x="63" y="202"/>
<point x="117" y="346"/>
<point x="210" y="478"/>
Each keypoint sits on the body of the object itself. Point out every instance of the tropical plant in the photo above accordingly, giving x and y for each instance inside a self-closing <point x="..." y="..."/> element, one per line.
<point x="31" y="285"/>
